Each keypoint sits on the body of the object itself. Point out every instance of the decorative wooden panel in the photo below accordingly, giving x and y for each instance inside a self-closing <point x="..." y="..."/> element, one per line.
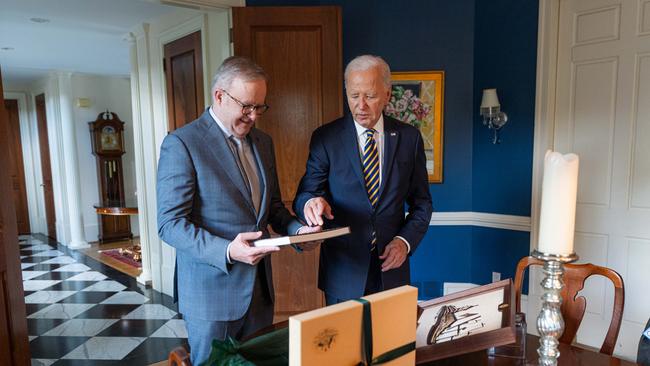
<point x="597" y="25"/>
<point x="640" y="185"/>
<point x="300" y="49"/>
<point x="594" y="104"/>
<point x="644" y="17"/>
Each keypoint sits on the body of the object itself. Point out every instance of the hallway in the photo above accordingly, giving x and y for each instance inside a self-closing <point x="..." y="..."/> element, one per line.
<point x="82" y="312"/>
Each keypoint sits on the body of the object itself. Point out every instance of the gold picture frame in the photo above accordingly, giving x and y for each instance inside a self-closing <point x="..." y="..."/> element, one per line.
<point x="418" y="99"/>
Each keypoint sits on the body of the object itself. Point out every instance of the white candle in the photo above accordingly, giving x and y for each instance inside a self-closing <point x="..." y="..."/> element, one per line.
<point x="558" y="210"/>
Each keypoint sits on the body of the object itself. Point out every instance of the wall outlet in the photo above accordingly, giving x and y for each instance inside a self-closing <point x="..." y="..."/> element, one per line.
<point x="496" y="276"/>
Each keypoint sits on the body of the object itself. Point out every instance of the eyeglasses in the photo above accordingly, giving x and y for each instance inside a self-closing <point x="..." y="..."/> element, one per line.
<point x="247" y="109"/>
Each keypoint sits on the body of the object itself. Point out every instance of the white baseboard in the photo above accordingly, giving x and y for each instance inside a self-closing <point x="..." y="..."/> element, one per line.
<point x="470" y="218"/>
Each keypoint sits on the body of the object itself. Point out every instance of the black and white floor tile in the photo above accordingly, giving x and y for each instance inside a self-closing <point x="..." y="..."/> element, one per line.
<point x="82" y="312"/>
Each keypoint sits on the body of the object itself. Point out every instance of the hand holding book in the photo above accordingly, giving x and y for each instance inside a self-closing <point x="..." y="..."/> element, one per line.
<point x="303" y="238"/>
<point x="310" y="245"/>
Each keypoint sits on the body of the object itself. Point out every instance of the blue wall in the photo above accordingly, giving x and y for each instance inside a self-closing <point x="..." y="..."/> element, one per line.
<point x="505" y="58"/>
<point x="425" y="35"/>
<point x="505" y="49"/>
<point x="422" y="35"/>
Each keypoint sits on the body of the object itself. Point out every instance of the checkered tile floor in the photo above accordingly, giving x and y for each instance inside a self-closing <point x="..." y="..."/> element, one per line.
<point x="81" y="312"/>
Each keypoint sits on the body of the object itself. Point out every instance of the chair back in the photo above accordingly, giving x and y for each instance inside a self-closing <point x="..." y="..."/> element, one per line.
<point x="573" y="306"/>
<point x="179" y="357"/>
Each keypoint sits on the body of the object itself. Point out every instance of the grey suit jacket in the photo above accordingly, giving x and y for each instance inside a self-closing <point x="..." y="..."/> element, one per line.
<point x="202" y="205"/>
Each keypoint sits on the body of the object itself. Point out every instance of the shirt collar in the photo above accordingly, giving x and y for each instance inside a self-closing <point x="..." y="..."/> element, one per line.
<point x="379" y="127"/>
<point x="220" y="124"/>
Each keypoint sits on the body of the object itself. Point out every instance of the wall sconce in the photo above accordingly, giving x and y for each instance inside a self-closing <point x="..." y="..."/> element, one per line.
<point x="491" y="112"/>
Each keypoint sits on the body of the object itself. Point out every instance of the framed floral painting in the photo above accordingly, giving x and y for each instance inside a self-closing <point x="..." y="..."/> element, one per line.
<point x="417" y="99"/>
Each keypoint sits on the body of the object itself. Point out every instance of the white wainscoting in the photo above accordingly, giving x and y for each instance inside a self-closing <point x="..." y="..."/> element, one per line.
<point x="483" y="219"/>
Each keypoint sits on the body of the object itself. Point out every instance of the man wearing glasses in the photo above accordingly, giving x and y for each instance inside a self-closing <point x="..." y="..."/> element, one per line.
<point x="217" y="193"/>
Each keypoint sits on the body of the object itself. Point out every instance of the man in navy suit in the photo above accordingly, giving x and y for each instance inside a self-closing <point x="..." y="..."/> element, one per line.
<point x="362" y="171"/>
<point x="217" y="191"/>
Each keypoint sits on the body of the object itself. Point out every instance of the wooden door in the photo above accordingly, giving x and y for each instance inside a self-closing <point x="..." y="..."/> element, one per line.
<point x="46" y="170"/>
<point x="603" y="115"/>
<point x="183" y="66"/>
<point x="300" y="49"/>
<point x="17" y="167"/>
<point x="14" y="346"/>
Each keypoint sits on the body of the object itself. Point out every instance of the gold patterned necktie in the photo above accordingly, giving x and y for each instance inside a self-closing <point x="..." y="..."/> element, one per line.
<point x="246" y="162"/>
<point x="371" y="172"/>
<point x="371" y="167"/>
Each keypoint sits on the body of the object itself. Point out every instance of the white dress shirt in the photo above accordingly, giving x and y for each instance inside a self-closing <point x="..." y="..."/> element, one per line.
<point x="379" y="140"/>
<point x="228" y="134"/>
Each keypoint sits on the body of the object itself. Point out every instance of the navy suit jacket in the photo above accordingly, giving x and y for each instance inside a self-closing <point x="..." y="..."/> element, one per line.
<point x="334" y="171"/>
<point x="203" y="204"/>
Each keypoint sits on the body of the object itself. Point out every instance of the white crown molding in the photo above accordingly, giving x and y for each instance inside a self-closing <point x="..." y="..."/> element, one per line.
<point x="469" y="218"/>
<point x="205" y="4"/>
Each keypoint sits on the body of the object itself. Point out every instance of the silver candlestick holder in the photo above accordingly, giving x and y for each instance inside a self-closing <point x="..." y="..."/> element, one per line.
<point x="550" y="323"/>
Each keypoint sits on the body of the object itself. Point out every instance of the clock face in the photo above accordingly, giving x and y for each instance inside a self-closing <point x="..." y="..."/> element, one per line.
<point x="109" y="139"/>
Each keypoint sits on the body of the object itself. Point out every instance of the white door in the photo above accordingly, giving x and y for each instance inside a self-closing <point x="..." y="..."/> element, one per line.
<point x="603" y="115"/>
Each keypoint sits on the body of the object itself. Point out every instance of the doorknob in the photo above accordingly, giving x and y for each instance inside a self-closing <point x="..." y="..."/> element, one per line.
<point x="42" y="184"/>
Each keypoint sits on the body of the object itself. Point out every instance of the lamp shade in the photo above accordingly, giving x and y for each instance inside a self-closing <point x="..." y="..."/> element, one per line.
<point x="490" y="99"/>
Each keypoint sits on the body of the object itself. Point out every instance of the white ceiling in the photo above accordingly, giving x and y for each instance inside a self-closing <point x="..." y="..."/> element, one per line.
<point x="87" y="36"/>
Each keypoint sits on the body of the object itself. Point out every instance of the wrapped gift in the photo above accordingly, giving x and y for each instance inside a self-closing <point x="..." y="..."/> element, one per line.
<point x="376" y="329"/>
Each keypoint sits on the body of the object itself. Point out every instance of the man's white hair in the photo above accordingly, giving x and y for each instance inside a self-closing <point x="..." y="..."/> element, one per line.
<point x="366" y="62"/>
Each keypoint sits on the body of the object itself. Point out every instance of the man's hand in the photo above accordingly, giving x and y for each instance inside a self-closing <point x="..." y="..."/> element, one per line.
<point x="394" y="255"/>
<point x="314" y="210"/>
<point x="242" y="250"/>
<point x="309" y="245"/>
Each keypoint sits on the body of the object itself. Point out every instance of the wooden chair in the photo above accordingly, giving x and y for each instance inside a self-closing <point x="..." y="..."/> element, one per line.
<point x="573" y="306"/>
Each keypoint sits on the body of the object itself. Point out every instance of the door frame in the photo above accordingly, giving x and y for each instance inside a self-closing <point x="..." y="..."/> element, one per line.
<point x="165" y="254"/>
<point x="13" y="328"/>
<point x="547" y="49"/>
<point x="198" y="24"/>
<point x="32" y="181"/>
<point x="57" y="89"/>
<point x="150" y="117"/>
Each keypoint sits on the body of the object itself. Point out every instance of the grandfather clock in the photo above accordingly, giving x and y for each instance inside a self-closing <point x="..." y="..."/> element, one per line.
<point x="106" y="135"/>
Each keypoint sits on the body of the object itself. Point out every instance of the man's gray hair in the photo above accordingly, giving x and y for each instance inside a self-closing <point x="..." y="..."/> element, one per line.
<point x="237" y="67"/>
<point x="366" y="62"/>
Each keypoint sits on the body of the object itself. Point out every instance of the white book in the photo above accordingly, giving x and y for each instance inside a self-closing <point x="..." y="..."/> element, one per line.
<point x="301" y="238"/>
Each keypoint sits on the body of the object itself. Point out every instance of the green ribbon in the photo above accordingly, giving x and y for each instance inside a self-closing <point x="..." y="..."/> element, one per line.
<point x="272" y="349"/>
<point x="366" y="325"/>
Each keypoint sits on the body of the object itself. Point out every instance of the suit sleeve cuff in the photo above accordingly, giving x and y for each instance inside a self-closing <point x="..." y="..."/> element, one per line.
<point x="228" y="260"/>
<point x="408" y="246"/>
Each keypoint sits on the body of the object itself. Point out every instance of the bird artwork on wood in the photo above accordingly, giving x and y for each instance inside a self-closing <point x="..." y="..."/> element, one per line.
<point x="453" y="322"/>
